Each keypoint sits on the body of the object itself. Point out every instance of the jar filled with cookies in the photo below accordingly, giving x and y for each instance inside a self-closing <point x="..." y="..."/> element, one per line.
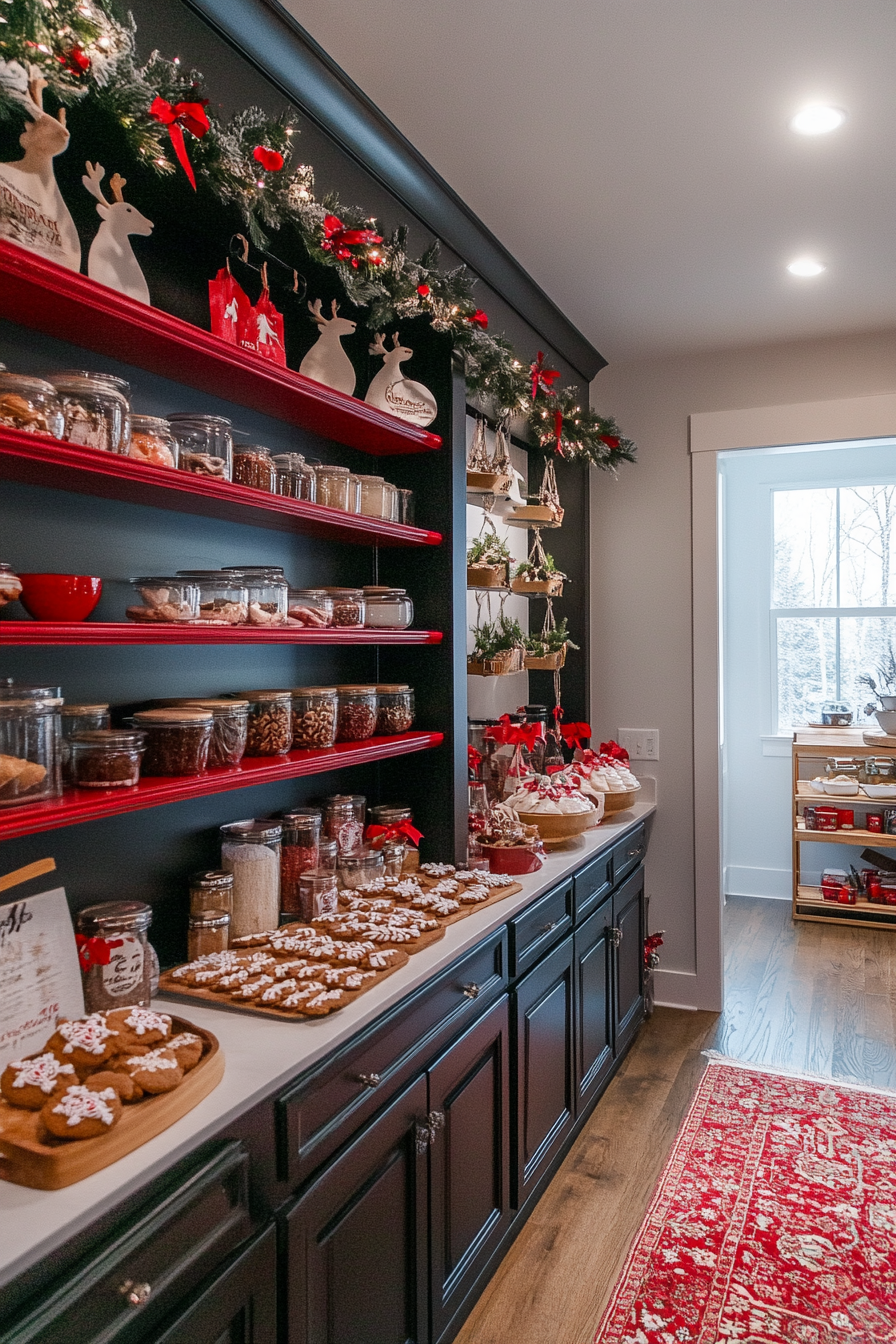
<point x="267" y="591"/>
<point x="115" y="955"/>
<point x="95" y="407"/>
<point x="29" y="746"/>
<point x="30" y="405"/>
<point x="204" y="444"/>
<point x="223" y="597"/>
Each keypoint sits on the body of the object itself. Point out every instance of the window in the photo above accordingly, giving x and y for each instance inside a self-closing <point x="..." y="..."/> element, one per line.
<point x="833" y="610"/>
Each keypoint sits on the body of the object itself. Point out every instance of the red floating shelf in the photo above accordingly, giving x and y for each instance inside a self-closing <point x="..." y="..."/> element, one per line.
<point x="37" y="460"/>
<point x="40" y="294"/>
<point x="80" y="805"/>
<point x="128" y="632"/>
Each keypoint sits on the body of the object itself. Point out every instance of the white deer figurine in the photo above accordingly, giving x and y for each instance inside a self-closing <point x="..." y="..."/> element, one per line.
<point x="390" y="392"/>
<point x="326" y="362"/>
<point x="111" y="259"/>
<point x="32" y="211"/>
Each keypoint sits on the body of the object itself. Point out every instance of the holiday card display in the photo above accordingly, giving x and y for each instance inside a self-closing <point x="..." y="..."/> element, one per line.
<point x="39" y="975"/>
<point x="326" y="362"/>
<point x="389" y="391"/>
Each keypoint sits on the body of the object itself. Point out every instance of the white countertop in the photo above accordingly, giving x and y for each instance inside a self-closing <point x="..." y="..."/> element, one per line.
<point x="262" y="1055"/>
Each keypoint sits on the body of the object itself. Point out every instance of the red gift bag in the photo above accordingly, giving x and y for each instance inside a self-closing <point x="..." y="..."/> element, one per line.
<point x="229" y="305"/>
<point x="267" y="329"/>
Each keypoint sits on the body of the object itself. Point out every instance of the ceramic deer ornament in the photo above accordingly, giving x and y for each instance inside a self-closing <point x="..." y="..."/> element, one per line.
<point x="390" y="392"/>
<point x="32" y="211"/>
<point x="111" y="260"/>
<point x="326" y="362"/>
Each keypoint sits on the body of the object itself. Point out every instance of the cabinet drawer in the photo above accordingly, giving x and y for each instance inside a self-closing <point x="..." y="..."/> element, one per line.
<point x="323" y="1110"/>
<point x="119" y="1293"/>
<point x="629" y="853"/>
<point x="539" y="927"/>
<point x="591" y="885"/>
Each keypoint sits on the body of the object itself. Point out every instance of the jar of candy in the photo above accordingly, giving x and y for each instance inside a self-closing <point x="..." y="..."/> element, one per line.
<point x="341" y="824"/>
<point x="394" y="710"/>
<point x="332" y="486"/>
<point x="150" y="440"/>
<point x="211" y="889"/>
<point x="205" y="444"/>
<point x="270" y="722"/>
<point x="267" y="590"/>
<point x="78" y="719"/>
<point x="165" y="600"/>
<point x="356" y="713"/>
<point x="207" y="931"/>
<point x="29" y="745"/>
<point x="251" y="851"/>
<point x="105" y="758"/>
<point x="96" y="408"/>
<point x="254" y="466"/>
<point x="116" y="958"/>
<point x="230" y="726"/>
<point x="177" y="740"/>
<point x="30" y="405"/>
<point x="311" y="607"/>
<point x="296" y="478"/>
<point x="223" y="597"/>
<point x="300" y="852"/>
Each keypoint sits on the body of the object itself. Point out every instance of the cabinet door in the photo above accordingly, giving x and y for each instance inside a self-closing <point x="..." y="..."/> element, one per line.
<point x="628" y="919"/>
<point x="594" y="1004"/>
<point x="469" y="1094"/>
<point x="544" y="1066"/>
<point x="356" y="1240"/>
<point x="239" y="1306"/>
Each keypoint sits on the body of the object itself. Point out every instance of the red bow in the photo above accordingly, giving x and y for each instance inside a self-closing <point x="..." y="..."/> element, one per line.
<point x="180" y="117"/>
<point x="339" y="240"/>
<point x="474" y="760"/>
<point x="610" y="440"/>
<point x="542" y="377"/>
<point x="614" y="751"/>
<point x="75" y="60"/>
<point x="95" y="951"/>
<point x="515" y="734"/>
<point x="478" y="319"/>
<point x="392" y="832"/>
<point x="270" y="159"/>
<point x="573" y="734"/>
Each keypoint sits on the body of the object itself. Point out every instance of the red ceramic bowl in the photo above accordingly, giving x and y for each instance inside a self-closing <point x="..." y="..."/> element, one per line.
<point x="60" y="597"/>
<point x="511" y="861"/>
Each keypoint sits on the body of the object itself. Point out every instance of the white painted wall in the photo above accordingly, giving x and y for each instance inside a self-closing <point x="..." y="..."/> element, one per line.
<point x="641" y="574"/>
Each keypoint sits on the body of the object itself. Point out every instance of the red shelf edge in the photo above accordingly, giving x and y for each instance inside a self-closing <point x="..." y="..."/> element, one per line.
<point x="121" y="633"/>
<point x="37" y="293"/>
<point x="77" y="806"/>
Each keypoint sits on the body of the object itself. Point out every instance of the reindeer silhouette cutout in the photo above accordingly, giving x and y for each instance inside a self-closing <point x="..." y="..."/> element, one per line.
<point x="390" y="392"/>
<point x="32" y="211"/>
<point x="326" y="362"/>
<point x="111" y="259"/>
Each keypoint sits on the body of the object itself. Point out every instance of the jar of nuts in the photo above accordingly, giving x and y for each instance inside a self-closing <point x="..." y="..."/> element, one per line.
<point x="230" y="726"/>
<point x="95" y="406"/>
<point x="296" y="478"/>
<point x="205" y="444"/>
<point x="348" y="606"/>
<point x="177" y="740"/>
<point x="165" y="600"/>
<point x="270" y="722"/>
<point x="30" y="405"/>
<point x="394" y="709"/>
<point x="254" y="466"/>
<point x="356" y="713"/>
<point x="223" y="597"/>
<point x="313" y="717"/>
<point x="311" y="607"/>
<point x="267" y="590"/>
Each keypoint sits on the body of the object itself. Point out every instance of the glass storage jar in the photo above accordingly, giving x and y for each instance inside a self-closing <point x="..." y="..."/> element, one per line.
<point x="223" y="598"/>
<point x="95" y="408"/>
<point x="150" y="440"/>
<point x="332" y="486"/>
<point x="355" y="713"/>
<point x="267" y="590"/>
<point x="254" y="466"/>
<point x="318" y="894"/>
<point x="354" y="493"/>
<point x="296" y="479"/>
<point x="341" y="824"/>
<point x="394" y="709"/>
<point x="204" y="444"/>
<point x="115" y="955"/>
<point x="164" y="599"/>
<point x="390" y="502"/>
<point x="329" y="853"/>
<point x="211" y="889"/>
<point x="207" y="931"/>
<point x="106" y="758"/>
<point x="313" y="717"/>
<point x="387" y="608"/>
<point x="177" y="740"/>
<point x="311" y="607"/>
<point x="348" y="606"/>
<point x="10" y="585"/>
<point x="30" y="405"/>
<point x="372" y="496"/>
<point x="230" y="726"/>
<point x="251" y="851"/>
<point x="29" y="746"/>
<point x="300" y="853"/>
<point x="360" y="867"/>
<point x="406" y="507"/>
<point x="878" y="770"/>
<point x="393" y="857"/>
<point x="270" y="722"/>
<point x="78" y="719"/>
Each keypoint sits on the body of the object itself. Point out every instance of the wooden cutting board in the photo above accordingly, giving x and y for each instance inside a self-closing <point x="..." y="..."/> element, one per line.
<point x="30" y="1156"/>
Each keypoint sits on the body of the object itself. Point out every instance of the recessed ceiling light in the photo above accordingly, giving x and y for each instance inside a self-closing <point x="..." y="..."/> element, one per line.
<point x="817" y="119"/>
<point x="806" y="266"/>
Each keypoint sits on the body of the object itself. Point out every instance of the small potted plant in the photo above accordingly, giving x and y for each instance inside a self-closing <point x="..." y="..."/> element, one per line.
<point x="883" y="688"/>
<point x="498" y="648"/>
<point x="488" y="562"/>
<point x="538" y="576"/>
<point x="547" y="652"/>
<point x="484" y="474"/>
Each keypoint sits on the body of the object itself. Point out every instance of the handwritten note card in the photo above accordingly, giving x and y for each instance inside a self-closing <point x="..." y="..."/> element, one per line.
<point x="39" y="975"/>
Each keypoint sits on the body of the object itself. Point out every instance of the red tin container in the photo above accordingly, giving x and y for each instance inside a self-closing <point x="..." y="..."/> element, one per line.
<point x="826" y="818"/>
<point x="874" y="821"/>
<point x="846" y="819"/>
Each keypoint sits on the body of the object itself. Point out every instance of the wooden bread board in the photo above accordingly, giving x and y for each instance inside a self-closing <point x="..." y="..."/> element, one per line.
<point x="29" y="1156"/>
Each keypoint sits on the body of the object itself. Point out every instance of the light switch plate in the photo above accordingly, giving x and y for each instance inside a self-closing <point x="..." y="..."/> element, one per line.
<point x="642" y="744"/>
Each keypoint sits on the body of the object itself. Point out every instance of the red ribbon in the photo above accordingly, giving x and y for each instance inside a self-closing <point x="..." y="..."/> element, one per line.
<point x="179" y="117"/>
<point x="573" y="734"/>
<point x="474" y="760"/>
<point x="478" y="319"/>
<point x="542" y="377"/>
<point x="271" y="160"/>
<point x="339" y="240"/>
<point x="95" y="951"/>
<point x="614" y="751"/>
<point x="515" y="734"/>
<point x="558" y="431"/>
<point x="610" y="440"/>
<point x="392" y="832"/>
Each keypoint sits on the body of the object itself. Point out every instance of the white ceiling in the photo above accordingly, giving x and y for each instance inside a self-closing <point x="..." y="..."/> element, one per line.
<point x="634" y="155"/>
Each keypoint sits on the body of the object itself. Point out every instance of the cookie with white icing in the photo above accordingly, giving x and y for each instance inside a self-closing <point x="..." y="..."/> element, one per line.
<point x="324" y="1002"/>
<point x="154" y="1072"/>
<point x="138" y="1026"/>
<point x="186" y="1047"/>
<point x="82" y="1112"/>
<point x="30" y="1083"/>
<point x="85" y="1042"/>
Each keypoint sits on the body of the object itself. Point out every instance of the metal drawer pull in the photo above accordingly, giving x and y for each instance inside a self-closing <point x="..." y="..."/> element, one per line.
<point x="370" y="1080"/>
<point x="471" y="991"/>
<point x="546" y="928"/>
<point x="136" y="1294"/>
<point x="634" y="853"/>
<point x="426" y="1130"/>
<point x="615" y="937"/>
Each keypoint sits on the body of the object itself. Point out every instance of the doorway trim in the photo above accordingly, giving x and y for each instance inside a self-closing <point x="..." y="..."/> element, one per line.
<point x="713" y="432"/>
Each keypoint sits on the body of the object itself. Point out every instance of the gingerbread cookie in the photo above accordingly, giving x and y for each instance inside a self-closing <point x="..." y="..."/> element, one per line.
<point x="358" y="979"/>
<point x="291" y="1003"/>
<point x="82" y="1112"/>
<point x="138" y="1026"/>
<point x="321" y="1004"/>
<point x="187" y="1049"/>
<point x="473" y="895"/>
<point x="154" y="1072"/>
<point x="252" y="989"/>
<point x="351" y="954"/>
<point x="123" y="1083"/>
<point x="382" y="958"/>
<point x="86" y="1042"/>
<point x="438" y="869"/>
<point x="31" y="1083"/>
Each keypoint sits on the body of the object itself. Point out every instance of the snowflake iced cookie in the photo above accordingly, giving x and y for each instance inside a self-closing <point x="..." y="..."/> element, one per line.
<point x="438" y="869"/>
<point x="86" y="1042"/>
<point x="186" y="1047"/>
<point x="82" y="1112"/>
<point x="138" y="1026"/>
<point x="153" y="1072"/>
<point x="30" y="1083"/>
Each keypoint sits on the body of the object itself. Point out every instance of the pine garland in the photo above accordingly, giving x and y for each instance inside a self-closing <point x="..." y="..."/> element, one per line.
<point x="80" y="47"/>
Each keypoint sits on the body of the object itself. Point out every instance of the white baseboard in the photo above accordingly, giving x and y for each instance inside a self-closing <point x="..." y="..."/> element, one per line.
<point x="773" y="884"/>
<point x="682" y="989"/>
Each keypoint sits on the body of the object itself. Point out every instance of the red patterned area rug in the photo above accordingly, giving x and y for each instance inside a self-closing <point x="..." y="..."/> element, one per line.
<point x="774" y="1221"/>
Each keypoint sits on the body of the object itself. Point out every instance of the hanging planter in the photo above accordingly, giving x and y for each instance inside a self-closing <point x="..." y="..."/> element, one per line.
<point x="488" y="561"/>
<point x="502" y="664"/>
<point x="547" y="652"/>
<point x="499" y="648"/>
<point x="485" y="475"/>
<point x="538" y="576"/>
<point x="548" y="512"/>
<point x="549" y="662"/>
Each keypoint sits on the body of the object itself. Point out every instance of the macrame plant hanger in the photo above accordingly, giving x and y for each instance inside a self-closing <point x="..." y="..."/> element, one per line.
<point x="477" y="457"/>
<point x="549" y="495"/>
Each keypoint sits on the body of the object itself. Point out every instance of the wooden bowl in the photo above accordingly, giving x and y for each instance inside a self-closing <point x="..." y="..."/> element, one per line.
<point x="559" y="825"/>
<point x="618" y="802"/>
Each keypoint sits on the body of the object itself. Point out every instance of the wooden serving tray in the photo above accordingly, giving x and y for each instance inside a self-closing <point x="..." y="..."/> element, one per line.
<point x="499" y="894"/>
<point x="30" y="1156"/>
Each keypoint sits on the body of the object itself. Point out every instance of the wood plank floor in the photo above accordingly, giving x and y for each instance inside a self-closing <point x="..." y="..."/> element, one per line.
<point x="801" y="997"/>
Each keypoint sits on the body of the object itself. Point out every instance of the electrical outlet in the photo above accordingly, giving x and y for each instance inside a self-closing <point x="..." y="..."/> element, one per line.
<point x="642" y="744"/>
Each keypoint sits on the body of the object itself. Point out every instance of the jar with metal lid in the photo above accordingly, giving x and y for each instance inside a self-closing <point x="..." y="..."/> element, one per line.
<point x="394" y="709"/>
<point x="150" y="440"/>
<point x="329" y="853"/>
<point x="387" y="608"/>
<point x="355" y="713"/>
<point x="354" y="493"/>
<point x="332" y="486"/>
<point x="230" y="727"/>
<point x="348" y="606"/>
<point x="878" y="770"/>
<point x="267" y="590"/>
<point x="115" y="955"/>
<point x="23" y="690"/>
<point x="341" y="824"/>
<point x="270" y="722"/>
<point x="177" y="740"/>
<point x="360" y="867"/>
<point x="392" y="814"/>
<point x="313" y="717"/>
<point x="211" y="889"/>
<point x="223" y="597"/>
<point x="300" y="853"/>
<point x="393" y="857"/>
<point x="164" y="600"/>
<point x="10" y="585"/>
<point x="106" y="758"/>
<point x="208" y="931"/>
<point x="358" y="802"/>
<point x="78" y="719"/>
<point x="30" y="405"/>
<point x="254" y="466"/>
<point x="95" y="408"/>
<point x="311" y="607"/>
<point x="296" y="478"/>
<point x="251" y="851"/>
<point x="372" y="496"/>
<point x="204" y="444"/>
<point x="29" y="746"/>
<point x="390" y="503"/>
<point x="318" y="894"/>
